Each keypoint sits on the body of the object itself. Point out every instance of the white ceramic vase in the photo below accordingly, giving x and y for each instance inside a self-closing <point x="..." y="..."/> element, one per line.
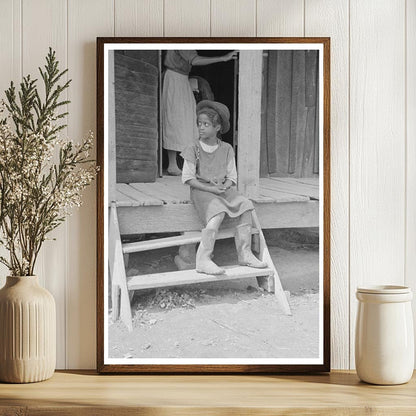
<point x="384" y="338"/>
<point x="27" y="331"/>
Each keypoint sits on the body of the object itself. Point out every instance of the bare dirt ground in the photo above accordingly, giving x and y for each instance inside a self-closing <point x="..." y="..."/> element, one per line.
<point x="230" y="319"/>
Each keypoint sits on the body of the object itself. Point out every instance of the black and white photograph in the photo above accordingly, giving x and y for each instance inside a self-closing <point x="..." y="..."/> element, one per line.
<point x="215" y="206"/>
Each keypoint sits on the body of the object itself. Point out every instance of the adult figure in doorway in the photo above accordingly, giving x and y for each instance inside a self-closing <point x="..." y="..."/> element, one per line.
<point x="178" y="101"/>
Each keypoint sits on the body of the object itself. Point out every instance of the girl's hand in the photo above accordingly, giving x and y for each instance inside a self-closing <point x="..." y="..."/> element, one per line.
<point x="218" y="189"/>
<point x="227" y="184"/>
<point x="214" y="182"/>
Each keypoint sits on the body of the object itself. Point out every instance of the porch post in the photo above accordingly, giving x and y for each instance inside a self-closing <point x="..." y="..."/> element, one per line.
<point x="249" y="121"/>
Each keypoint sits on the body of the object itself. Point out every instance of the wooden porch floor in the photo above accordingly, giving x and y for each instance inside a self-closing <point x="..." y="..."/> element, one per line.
<point x="170" y="190"/>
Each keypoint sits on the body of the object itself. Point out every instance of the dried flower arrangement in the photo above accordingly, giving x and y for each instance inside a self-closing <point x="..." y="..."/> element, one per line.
<point x="42" y="176"/>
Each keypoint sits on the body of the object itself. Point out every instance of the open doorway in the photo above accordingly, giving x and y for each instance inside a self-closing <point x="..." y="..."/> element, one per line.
<point x="221" y="81"/>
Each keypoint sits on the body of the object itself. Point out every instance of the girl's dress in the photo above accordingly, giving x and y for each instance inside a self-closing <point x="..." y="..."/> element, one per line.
<point x="178" y="102"/>
<point x="213" y="167"/>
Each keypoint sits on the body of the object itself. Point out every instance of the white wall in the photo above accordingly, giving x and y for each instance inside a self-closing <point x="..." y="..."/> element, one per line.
<point x="373" y="131"/>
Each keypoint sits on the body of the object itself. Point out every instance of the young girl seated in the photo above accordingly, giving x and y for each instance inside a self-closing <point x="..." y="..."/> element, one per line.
<point x="209" y="169"/>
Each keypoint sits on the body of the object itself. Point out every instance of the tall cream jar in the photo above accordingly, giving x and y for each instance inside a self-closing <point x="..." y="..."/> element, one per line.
<point x="384" y="338"/>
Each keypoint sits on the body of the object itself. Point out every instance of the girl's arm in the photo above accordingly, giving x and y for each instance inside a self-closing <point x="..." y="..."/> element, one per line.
<point x="189" y="178"/>
<point x="215" y="189"/>
<point x="231" y="176"/>
<point x="205" y="60"/>
<point x="228" y="183"/>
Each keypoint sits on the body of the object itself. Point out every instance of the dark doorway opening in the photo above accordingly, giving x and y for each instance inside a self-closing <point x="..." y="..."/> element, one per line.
<point x="222" y="78"/>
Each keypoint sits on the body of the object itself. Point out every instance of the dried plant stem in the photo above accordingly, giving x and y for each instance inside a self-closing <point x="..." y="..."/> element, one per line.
<point x="37" y="194"/>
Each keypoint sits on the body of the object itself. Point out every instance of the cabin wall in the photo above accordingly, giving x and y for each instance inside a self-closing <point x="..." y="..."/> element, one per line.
<point x="290" y="119"/>
<point x="136" y="115"/>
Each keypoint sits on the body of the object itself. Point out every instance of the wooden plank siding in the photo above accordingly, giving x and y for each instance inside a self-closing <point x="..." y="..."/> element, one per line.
<point x="10" y="67"/>
<point x="281" y="72"/>
<point x="187" y="18"/>
<point x="52" y="266"/>
<point x="290" y="144"/>
<point x="331" y="18"/>
<point x="264" y="171"/>
<point x="249" y="104"/>
<point x="138" y="17"/>
<point x="410" y="262"/>
<point x="233" y="18"/>
<point x="85" y="19"/>
<point x="280" y="18"/>
<point x="310" y="156"/>
<point x="137" y="115"/>
<point x="377" y="143"/>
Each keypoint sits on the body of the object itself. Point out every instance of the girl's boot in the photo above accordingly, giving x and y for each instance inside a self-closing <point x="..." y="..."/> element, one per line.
<point x="204" y="264"/>
<point x="243" y="245"/>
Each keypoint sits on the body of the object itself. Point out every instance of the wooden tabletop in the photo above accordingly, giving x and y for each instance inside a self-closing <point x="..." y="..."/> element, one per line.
<point x="86" y="393"/>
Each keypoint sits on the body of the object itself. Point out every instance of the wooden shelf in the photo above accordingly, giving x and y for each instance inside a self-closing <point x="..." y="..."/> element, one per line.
<point x="86" y="393"/>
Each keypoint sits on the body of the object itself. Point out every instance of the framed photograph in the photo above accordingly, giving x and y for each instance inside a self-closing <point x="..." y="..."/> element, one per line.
<point x="213" y="205"/>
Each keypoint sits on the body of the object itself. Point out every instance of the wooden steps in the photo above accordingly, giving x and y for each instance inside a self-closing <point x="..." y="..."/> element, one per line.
<point x="122" y="288"/>
<point x="191" y="237"/>
<point x="186" y="277"/>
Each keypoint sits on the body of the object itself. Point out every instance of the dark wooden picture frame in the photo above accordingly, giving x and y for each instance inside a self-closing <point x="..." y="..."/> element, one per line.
<point x="111" y="213"/>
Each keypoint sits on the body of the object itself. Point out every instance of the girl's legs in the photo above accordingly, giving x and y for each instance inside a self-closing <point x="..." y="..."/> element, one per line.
<point x="173" y="167"/>
<point x="243" y="243"/>
<point x="204" y="264"/>
<point x="215" y="222"/>
<point x="245" y="218"/>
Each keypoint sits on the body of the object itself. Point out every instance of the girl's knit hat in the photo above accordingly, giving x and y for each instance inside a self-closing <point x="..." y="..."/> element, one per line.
<point x="220" y="108"/>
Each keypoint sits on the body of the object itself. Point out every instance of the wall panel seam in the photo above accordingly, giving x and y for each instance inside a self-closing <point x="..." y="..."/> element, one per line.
<point x="21" y="38"/>
<point x="210" y="18"/>
<point x="66" y="222"/>
<point x="349" y="185"/>
<point x="405" y="146"/>
<point x="304" y="17"/>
